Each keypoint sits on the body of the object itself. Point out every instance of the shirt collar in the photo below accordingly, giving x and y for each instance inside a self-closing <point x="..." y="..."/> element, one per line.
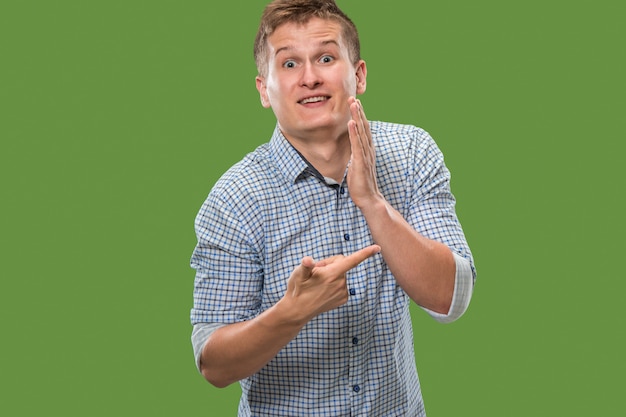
<point x="291" y="163"/>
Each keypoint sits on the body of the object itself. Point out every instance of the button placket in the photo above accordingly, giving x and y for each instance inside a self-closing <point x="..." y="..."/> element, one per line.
<point x="347" y="212"/>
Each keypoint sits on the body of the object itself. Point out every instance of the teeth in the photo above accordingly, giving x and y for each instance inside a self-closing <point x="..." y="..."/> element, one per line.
<point x="313" y="100"/>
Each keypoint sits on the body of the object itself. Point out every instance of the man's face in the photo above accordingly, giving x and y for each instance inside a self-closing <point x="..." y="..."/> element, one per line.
<point x="310" y="77"/>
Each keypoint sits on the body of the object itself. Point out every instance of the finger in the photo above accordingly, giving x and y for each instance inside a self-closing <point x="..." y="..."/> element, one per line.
<point x="364" y="130"/>
<point x="356" y="147"/>
<point x="328" y="261"/>
<point x="306" y="267"/>
<point x="359" y="116"/>
<point x="366" y="125"/>
<point x="363" y="133"/>
<point x="356" y="115"/>
<point x="347" y="263"/>
<point x="307" y="262"/>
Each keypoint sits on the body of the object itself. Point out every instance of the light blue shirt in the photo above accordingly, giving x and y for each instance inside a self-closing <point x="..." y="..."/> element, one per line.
<point x="269" y="211"/>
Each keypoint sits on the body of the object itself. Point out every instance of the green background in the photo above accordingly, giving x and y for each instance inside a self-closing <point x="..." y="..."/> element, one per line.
<point x="116" y="118"/>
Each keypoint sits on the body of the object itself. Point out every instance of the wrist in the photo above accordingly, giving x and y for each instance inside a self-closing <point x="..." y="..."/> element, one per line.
<point x="287" y="313"/>
<point x="373" y="206"/>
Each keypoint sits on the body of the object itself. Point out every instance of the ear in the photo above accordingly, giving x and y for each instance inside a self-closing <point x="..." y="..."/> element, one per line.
<point x="262" y="89"/>
<point x="361" y="77"/>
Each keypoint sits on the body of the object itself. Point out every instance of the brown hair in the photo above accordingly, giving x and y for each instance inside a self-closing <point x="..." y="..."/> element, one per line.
<point x="279" y="12"/>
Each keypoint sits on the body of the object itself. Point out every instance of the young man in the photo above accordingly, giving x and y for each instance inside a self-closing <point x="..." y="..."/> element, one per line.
<point x="311" y="248"/>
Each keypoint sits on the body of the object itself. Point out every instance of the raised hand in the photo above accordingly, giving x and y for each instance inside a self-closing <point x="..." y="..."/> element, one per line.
<point x="362" y="171"/>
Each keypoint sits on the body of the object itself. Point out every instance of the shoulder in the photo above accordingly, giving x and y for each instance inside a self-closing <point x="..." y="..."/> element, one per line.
<point x="245" y="181"/>
<point x="397" y="131"/>
<point x="397" y="137"/>
<point x="248" y="174"/>
<point x="409" y="143"/>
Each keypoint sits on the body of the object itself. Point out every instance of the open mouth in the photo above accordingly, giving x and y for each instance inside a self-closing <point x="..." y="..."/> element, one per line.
<point x="317" y="99"/>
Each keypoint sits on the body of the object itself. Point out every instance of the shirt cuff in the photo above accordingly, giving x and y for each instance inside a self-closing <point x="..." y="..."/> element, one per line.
<point x="199" y="336"/>
<point x="463" y="288"/>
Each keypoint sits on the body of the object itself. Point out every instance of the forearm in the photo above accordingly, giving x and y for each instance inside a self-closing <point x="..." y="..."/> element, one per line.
<point x="238" y="350"/>
<point x="424" y="268"/>
<point x="463" y="289"/>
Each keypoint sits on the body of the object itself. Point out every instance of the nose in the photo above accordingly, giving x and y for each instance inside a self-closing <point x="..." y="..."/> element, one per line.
<point x="310" y="76"/>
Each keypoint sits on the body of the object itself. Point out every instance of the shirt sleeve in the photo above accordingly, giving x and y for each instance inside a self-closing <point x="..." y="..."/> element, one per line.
<point x="199" y="336"/>
<point x="229" y="274"/>
<point x="432" y="213"/>
<point x="463" y="289"/>
<point x="432" y="206"/>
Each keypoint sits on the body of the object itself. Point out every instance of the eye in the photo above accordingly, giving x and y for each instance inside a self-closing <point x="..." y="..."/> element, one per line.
<point x="289" y="64"/>
<point x="326" y="59"/>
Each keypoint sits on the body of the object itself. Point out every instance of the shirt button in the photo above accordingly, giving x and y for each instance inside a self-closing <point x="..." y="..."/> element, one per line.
<point x="355" y="340"/>
<point x="346" y="236"/>
<point x="342" y="190"/>
<point x="352" y="291"/>
<point x="356" y="388"/>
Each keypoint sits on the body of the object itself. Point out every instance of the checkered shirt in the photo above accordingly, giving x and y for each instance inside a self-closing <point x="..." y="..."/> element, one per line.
<point x="273" y="208"/>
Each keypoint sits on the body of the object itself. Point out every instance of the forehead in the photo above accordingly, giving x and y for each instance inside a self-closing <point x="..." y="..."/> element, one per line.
<point x="316" y="31"/>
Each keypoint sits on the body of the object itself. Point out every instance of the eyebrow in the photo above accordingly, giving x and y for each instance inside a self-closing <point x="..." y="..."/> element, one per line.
<point x="290" y="47"/>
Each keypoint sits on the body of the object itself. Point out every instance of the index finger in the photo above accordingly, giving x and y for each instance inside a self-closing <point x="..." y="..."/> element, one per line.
<point x="365" y="126"/>
<point x="347" y="263"/>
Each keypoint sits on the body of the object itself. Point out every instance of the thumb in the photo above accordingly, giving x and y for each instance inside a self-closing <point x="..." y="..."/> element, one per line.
<point x="306" y="266"/>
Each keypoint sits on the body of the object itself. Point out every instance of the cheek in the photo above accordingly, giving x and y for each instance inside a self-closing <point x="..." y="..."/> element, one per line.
<point x="276" y="92"/>
<point x="273" y="98"/>
<point x="350" y="86"/>
<point x="349" y="82"/>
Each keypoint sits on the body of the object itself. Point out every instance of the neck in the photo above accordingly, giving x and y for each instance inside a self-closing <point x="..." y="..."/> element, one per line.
<point x="329" y="156"/>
